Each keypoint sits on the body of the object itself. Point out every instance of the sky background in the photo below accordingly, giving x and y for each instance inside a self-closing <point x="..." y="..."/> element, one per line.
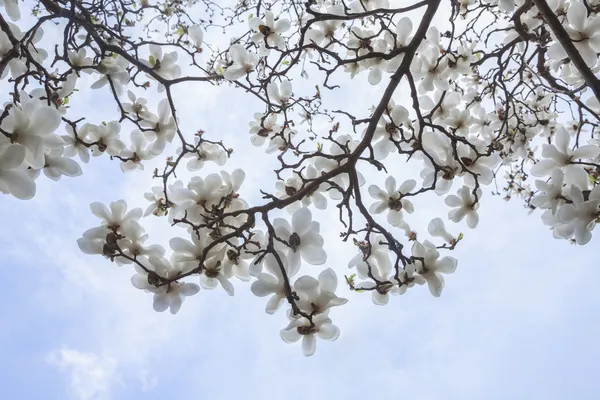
<point x="519" y="318"/>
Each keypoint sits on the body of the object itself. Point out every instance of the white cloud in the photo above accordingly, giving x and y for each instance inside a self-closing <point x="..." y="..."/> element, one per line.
<point x="90" y="376"/>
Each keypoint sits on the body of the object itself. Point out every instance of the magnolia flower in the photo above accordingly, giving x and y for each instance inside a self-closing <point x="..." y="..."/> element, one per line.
<point x="215" y="272"/>
<point x="392" y="199"/>
<point x="381" y="274"/>
<point x="139" y="108"/>
<point x="378" y="250"/>
<point x="584" y="35"/>
<point x="187" y="255"/>
<point x="199" y="196"/>
<point x="322" y="30"/>
<point x="74" y="145"/>
<point x="582" y="213"/>
<point x="106" y="138"/>
<point x="269" y="30"/>
<point x="295" y="183"/>
<point x="261" y="129"/>
<point x="551" y="192"/>
<point x="117" y="216"/>
<point x="166" y="295"/>
<point x="243" y="62"/>
<point x="465" y="205"/>
<point x="32" y="126"/>
<point x="139" y="151"/>
<point x="235" y="262"/>
<point x="114" y="70"/>
<point x="164" y="130"/>
<point x="318" y="296"/>
<point x="560" y="155"/>
<point x="388" y="132"/>
<point x="273" y="283"/>
<point x="79" y="59"/>
<point x="157" y="198"/>
<point x="403" y="30"/>
<point x="325" y="165"/>
<point x="56" y="165"/>
<point x="433" y="73"/>
<point x="204" y="152"/>
<point x="231" y="186"/>
<point x="163" y="65"/>
<point x="436" y="228"/>
<point x="15" y="65"/>
<point x="430" y="267"/>
<point x="196" y="34"/>
<point x="133" y="244"/>
<point x="301" y="328"/>
<point x="12" y="9"/>
<point x="302" y="237"/>
<point x="13" y="177"/>
<point x="360" y="6"/>
<point x="280" y="93"/>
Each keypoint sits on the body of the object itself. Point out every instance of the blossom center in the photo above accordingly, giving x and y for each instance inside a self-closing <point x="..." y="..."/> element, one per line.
<point x="294" y="241"/>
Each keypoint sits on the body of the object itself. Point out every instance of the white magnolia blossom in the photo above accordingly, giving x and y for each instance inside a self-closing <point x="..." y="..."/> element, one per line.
<point x="392" y="199"/>
<point x="301" y="328"/>
<point x="196" y="34"/>
<point x="244" y="62"/>
<point x="302" y="237"/>
<point x="114" y="73"/>
<point x="13" y="177"/>
<point x="33" y="127"/>
<point x="269" y="30"/>
<point x="166" y="295"/>
<point x="436" y="228"/>
<point x="273" y="283"/>
<point x="430" y="267"/>
<point x="164" y="65"/>
<point x="465" y="205"/>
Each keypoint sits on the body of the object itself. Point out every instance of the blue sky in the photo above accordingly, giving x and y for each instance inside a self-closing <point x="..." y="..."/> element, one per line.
<point x="517" y="320"/>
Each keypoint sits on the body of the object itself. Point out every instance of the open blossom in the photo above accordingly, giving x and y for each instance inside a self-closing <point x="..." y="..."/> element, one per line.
<point x="56" y="165"/>
<point x="301" y="328"/>
<point x="302" y="237"/>
<point x="392" y="199"/>
<point x="199" y="196"/>
<point x="584" y="33"/>
<point x="263" y="128"/>
<point x="164" y="128"/>
<point x="243" y="63"/>
<point x="13" y="177"/>
<point x="269" y="30"/>
<point x="33" y="127"/>
<point x="560" y="155"/>
<point x="581" y="215"/>
<point x="292" y="185"/>
<point x="280" y="93"/>
<point x="138" y="151"/>
<point x="204" y="152"/>
<point x="465" y="205"/>
<point x="318" y="295"/>
<point x="114" y="71"/>
<point x="106" y="137"/>
<point x="139" y="110"/>
<point x="164" y="65"/>
<point x="166" y="295"/>
<point x="216" y="272"/>
<point x="12" y="9"/>
<point x="273" y="282"/>
<point x="430" y="267"/>
<point x="550" y="196"/>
